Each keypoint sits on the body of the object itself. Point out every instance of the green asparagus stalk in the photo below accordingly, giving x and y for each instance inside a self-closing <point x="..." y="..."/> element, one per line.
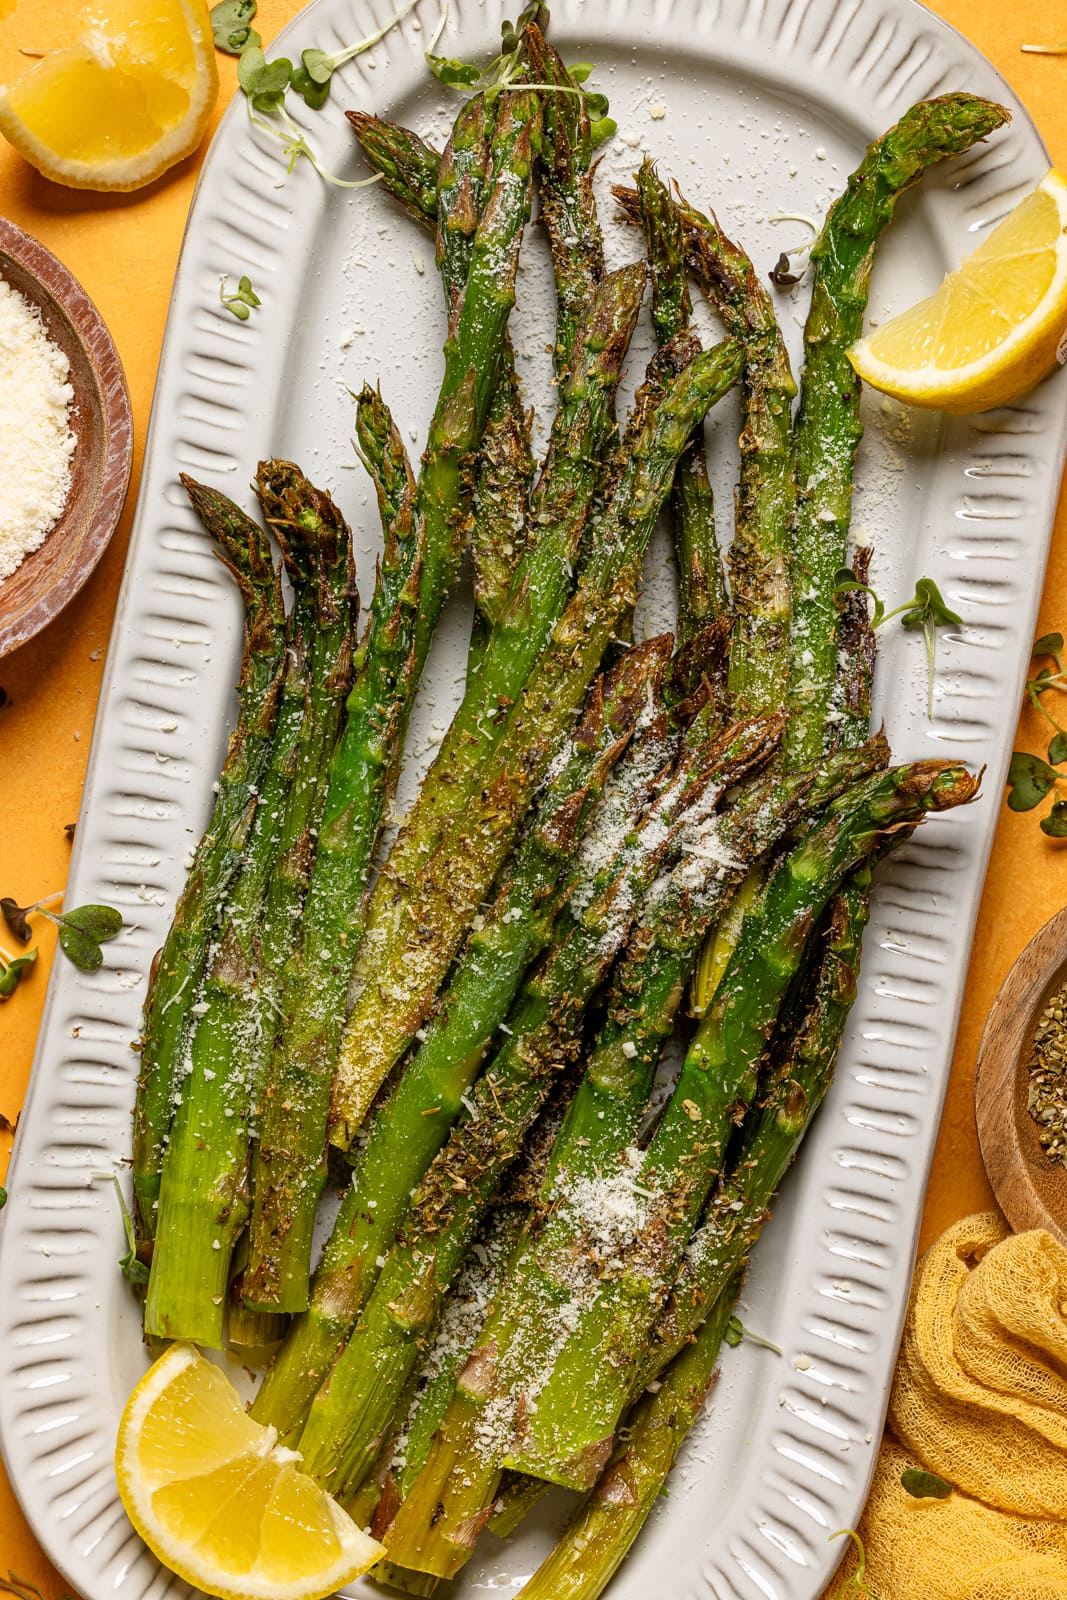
<point x="569" y="1289"/>
<point x="702" y="593"/>
<point x="567" y="206"/>
<point x="351" y="1411"/>
<point x="410" y="1127"/>
<point x="601" y="1532"/>
<point x="204" y="1193"/>
<point x="828" y="427"/>
<point x="292" y="1159"/>
<point x="851" y="707"/>
<point x="801" y="1073"/>
<point x="539" y="592"/>
<point x="408" y="968"/>
<point x="407" y="164"/>
<point x="580" y="1405"/>
<point x="760" y="555"/>
<point x="362" y="768"/>
<point x="176" y="973"/>
<point x="504" y="471"/>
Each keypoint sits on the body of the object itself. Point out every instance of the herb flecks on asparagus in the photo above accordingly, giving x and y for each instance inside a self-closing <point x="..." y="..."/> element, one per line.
<point x="828" y="427"/>
<point x="410" y="1127"/>
<point x="408" y="968"/>
<point x="176" y="972"/>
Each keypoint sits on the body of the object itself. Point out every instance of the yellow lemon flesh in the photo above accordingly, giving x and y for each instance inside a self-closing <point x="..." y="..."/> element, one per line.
<point x="128" y="99"/>
<point x="219" y="1501"/>
<point x="995" y="327"/>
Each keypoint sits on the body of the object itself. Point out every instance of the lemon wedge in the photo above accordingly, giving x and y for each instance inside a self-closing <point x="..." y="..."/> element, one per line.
<point x="995" y="327"/>
<point x="131" y="96"/>
<point x="219" y="1501"/>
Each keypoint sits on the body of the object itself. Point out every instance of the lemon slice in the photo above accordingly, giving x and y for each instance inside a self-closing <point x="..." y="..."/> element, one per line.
<point x="995" y="327"/>
<point x="130" y="97"/>
<point x="219" y="1501"/>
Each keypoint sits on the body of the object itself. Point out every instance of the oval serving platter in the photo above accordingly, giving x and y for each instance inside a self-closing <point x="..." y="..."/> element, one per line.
<point x="758" y="107"/>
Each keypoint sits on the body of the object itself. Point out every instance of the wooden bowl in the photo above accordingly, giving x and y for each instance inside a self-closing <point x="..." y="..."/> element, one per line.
<point x="1031" y="1189"/>
<point x="103" y="428"/>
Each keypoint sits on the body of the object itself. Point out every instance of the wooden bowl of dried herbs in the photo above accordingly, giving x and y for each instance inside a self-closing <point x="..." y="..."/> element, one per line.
<point x="1020" y="1089"/>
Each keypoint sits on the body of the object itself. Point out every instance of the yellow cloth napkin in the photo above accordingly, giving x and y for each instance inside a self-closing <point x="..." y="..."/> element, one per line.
<point x="980" y="1398"/>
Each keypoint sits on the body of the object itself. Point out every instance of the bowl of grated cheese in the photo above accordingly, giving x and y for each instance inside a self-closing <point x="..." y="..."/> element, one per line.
<point x="66" y="436"/>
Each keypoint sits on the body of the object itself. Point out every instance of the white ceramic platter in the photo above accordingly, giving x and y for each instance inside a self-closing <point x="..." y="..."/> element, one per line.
<point x="758" y="107"/>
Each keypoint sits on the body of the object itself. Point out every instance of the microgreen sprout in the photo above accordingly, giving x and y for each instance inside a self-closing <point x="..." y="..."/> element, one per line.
<point x="508" y="67"/>
<point x="855" y="1587"/>
<point x="240" y="301"/>
<point x="231" y="24"/>
<point x="311" y="78"/>
<point x="782" y="274"/>
<point x="924" y="613"/>
<point x="736" y="1333"/>
<point x="81" y="931"/>
<point x="133" y="1269"/>
<point x="1030" y="778"/>
<point x="13" y="969"/>
<point x="1045" y="49"/>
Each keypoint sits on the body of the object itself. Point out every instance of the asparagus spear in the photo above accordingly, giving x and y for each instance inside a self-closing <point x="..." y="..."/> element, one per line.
<point x="851" y="707"/>
<point x="567" y="207"/>
<point x="204" y="1193"/>
<point x="579" y="1405"/>
<point x="292" y="1161"/>
<point x="408" y="968"/>
<point x="599" y="1535"/>
<point x="581" y="1281"/>
<point x="539" y="592"/>
<point x="311" y="1001"/>
<point x="504" y="470"/>
<point x="801" y="1072"/>
<point x="410" y="1127"/>
<point x="245" y="549"/>
<point x="828" y="427"/>
<point x="702" y="593"/>
<point x="353" y="1407"/>
<point x="760" y="555"/>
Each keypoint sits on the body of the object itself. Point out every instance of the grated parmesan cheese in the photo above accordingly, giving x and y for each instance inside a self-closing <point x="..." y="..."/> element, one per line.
<point x="36" y="442"/>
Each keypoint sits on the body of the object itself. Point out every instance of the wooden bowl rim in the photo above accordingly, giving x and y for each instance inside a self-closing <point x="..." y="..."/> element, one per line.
<point x="1030" y="1189"/>
<point x="88" y="326"/>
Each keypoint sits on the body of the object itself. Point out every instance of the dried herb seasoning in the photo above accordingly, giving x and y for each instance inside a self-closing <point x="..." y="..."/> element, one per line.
<point x="1046" y="1098"/>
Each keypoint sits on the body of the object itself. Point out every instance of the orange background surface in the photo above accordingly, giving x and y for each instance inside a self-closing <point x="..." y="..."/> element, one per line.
<point x="124" y="250"/>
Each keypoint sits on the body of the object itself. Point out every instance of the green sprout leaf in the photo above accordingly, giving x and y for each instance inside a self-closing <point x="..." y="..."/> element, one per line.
<point x="1029" y="780"/>
<point x="1055" y="824"/>
<point x="98" y="922"/>
<point x="264" y="82"/>
<point x="1049" y="644"/>
<point x="133" y="1270"/>
<point x="736" y="1333"/>
<point x="454" y="74"/>
<point x="924" y="1485"/>
<point x="1057" y="750"/>
<point x="84" y="951"/>
<point x="231" y="24"/>
<point x="240" y="301"/>
<point x="924" y="613"/>
<point x="12" y="971"/>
